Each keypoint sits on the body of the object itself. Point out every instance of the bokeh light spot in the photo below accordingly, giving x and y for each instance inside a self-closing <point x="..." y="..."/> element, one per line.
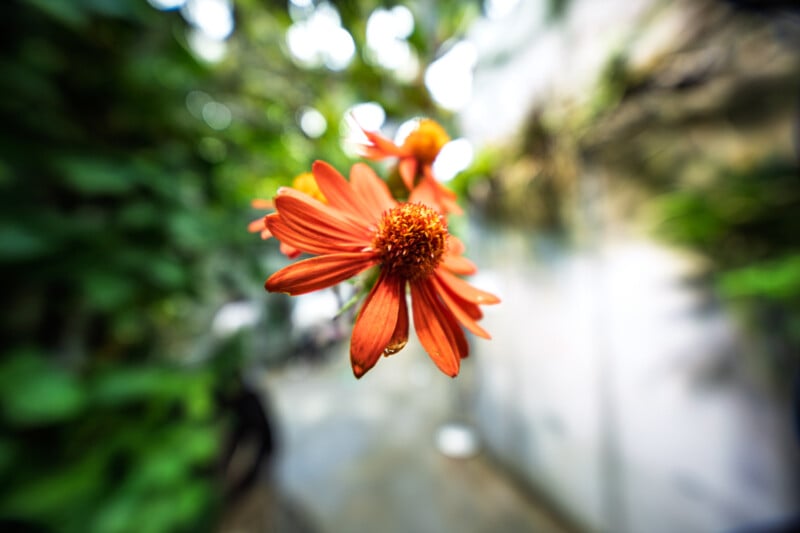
<point x="217" y="115"/>
<point x="367" y="115"/>
<point x="320" y="40"/>
<point x="312" y="122"/>
<point x="212" y="17"/>
<point x="166" y="5"/>
<point x="454" y="157"/>
<point x="449" y="78"/>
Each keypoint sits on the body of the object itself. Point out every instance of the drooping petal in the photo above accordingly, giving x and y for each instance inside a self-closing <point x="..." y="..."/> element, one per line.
<point x="381" y="146"/>
<point x="407" y="167"/>
<point x="424" y="194"/>
<point x="318" y="272"/>
<point x="431" y="192"/>
<point x="458" y="335"/>
<point x="464" y="290"/>
<point x="372" y="190"/>
<point x="427" y="173"/>
<point x="444" y="343"/>
<point x="445" y="198"/>
<point x="449" y="205"/>
<point x="400" y="336"/>
<point x="465" y="312"/>
<point x="376" y="323"/>
<point x="372" y="152"/>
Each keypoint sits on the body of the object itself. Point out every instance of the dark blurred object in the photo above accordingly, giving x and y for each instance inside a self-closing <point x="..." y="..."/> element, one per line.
<point x="764" y="5"/>
<point x="250" y="445"/>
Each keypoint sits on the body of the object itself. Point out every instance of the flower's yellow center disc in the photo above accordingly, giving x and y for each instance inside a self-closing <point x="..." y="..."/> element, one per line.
<point x="411" y="240"/>
<point x="426" y="141"/>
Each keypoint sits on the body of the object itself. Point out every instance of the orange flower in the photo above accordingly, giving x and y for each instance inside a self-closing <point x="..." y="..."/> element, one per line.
<point x="304" y="182"/>
<point x="362" y="226"/>
<point x="415" y="163"/>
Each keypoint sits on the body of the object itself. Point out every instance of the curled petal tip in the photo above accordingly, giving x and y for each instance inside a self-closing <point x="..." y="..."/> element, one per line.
<point x="392" y="349"/>
<point x="358" y="370"/>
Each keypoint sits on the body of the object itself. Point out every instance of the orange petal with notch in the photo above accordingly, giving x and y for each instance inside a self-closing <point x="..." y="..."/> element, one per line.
<point x="376" y="324"/>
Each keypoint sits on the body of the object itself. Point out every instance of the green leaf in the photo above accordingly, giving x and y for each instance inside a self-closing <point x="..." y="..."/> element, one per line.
<point x="123" y="386"/>
<point x="108" y="291"/>
<point x="36" y="391"/>
<point x="778" y="279"/>
<point x="96" y="176"/>
<point x="21" y="243"/>
<point x="52" y="496"/>
<point x="66" y="11"/>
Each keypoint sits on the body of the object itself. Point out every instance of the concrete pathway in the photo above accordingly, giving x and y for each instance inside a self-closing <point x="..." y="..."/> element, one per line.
<point x="364" y="456"/>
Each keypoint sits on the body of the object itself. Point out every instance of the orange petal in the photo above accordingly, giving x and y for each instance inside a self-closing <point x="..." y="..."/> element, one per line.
<point x="318" y="272"/>
<point x="307" y="215"/>
<point x="455" y="245"/>
<point x="464" y="311"/>
<point x="337" y="190"/>
<point x="289" y="251"/>
<point x="371" y="152"/>
<point x="444" y="343"/>
<point x="376" y="324"/>
<point x="407" y="167"/>
<point x="423" y="194"/>
<point x="308" y="240"/>
<point x="460" y="338"/>
<point x="372" y="190"/>
<point x="259" y="203"/>
<point x="464" y="290"/>
<point x="440" y="196"/>
<point x="400" y="335"/>
<point x="256" y="225"/>
<point x="444" y="192"/>
<point x="458" y="265"/>
<point x="381" y="146"/>
<point x="432" y="193"/>
<point x="450" y="206"/>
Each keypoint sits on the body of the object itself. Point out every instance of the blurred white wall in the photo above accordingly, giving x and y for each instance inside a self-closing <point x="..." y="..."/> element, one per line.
<point x="616" y="390"/>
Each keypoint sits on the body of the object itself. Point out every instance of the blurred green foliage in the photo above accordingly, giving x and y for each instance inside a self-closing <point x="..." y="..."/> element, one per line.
<point x="124" y="448"/>
<point x="108" y="215"/>
<point x="745" y="221"/>
<point x="122" y="232"/>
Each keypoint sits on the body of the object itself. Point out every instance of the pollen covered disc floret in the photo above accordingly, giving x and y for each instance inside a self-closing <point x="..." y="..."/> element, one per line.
<point x="411" y="240"/>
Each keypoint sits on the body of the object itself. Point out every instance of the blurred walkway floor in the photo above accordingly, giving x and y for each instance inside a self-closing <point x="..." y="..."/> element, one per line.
<point x="361" y="456"/>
